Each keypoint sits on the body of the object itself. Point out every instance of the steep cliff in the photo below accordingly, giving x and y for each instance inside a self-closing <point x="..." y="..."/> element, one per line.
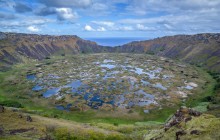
<point x="15" y="47"/>
<point x="200" y="49"/>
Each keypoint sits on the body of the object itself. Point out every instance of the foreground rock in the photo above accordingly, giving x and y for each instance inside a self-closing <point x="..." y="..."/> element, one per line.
<point x="2" y="109"/>
<point x="182" y="115"/>
<point x="187" y="124"/>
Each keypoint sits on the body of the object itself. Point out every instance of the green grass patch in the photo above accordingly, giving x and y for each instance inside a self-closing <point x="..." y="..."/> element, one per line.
<point x="207" y="90"/>
<point x="11" y="103"/>
<point x="202" y="107"/>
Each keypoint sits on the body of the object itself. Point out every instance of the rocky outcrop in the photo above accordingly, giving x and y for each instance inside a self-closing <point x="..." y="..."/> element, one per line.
<point x="2" y="109"/>
<point x="182" y="115"/>
<point x="29" y="119"/>
<point x="200" y="49"/>
<point x="187" y="124"/>
<point x="15" y="131"/>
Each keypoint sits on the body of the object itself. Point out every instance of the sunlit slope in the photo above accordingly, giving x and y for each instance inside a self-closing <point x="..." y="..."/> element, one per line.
<point x="200" y="49"/>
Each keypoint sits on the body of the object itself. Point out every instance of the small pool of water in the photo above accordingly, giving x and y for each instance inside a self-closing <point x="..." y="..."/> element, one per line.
<point x="146" y="111"/>
<point x="31" y="77"/>
<point x="61" y="107"/>
<point x="37" y="88"/>
<point x="145" y="83"/>
<point x="139" y="71"/>
<point x="53" y="76"/>
<point x="108" y="61"/>
<point x="109" y="66"/>
<point x="75" y="85"/>
<point x="188" y="87"/>
<point x="146" y="95"/>
<point x="160" y="86"/>
<point x="51" y="92"/>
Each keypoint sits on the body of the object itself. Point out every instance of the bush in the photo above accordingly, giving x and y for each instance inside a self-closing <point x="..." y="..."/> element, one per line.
<point x="47" y="57"/>
<point x="116" y="137"/>
<point x="95" y="135"/>
<point x="62" y="134"/>
<point x="10" y="103"/>
<point x="115" y="124"/>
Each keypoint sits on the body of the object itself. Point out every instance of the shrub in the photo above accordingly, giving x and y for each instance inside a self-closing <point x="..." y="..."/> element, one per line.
<point x="11" y="103"/>
<point x="116" y="137"/>
<point x="130" y="111"/>
<point x="62" y="134"/>
<point x="47" y="57"/>
<point x="115" y="124"/>
<point x="95" y="135"/>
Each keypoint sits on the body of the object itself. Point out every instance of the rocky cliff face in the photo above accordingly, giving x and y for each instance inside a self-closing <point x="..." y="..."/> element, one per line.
<point x="201" y="49"/>
<point x="15" y="47"/>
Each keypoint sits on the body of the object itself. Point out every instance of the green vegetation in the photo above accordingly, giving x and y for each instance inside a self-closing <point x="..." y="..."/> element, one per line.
<point x="130" y="123"/>
<point x="17" y="90"/>
<point x="214" y="100"/>
<point x="10" y="103"/>
<point x="206" y="91"/>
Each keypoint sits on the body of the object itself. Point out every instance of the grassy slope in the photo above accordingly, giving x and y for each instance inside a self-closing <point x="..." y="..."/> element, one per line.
<point x="52" y="127"/>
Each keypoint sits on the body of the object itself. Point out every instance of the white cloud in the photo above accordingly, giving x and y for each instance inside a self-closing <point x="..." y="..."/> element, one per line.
<point x="144" y="28"/>
<point x="143" y="7"/>
<point x="67" y="3"/>
<point x="101" y="29"/>
<point x="99" y="6"/>
<point x="125" y="28"/>
<point x="25" y="22"/>
<point x="88" y="28"/>
<point x="65" y="14"/>
<point x="168" y="26"/>
<point x="104" y="23"/>
<point x="33" y="29"/>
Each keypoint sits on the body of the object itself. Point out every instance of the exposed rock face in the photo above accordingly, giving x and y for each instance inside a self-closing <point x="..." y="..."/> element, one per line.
<point x="182" y="115"/>
<point x="2" y="109"/>
<point x="15" y="131"/>
<point x="180" y="133"/>
<point x="199" y="126"/>
<point x="29" y="119"/>
<point x="200" y="49"/>
<point x="1" y="130"/>
<point x="15" y="47"/>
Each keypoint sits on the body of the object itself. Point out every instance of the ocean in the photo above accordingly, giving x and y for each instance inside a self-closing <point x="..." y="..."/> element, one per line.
<point x="115" y="41"/>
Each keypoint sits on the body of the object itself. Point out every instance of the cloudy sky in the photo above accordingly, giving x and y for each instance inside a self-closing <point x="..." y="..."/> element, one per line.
<point x="110" y="18"/>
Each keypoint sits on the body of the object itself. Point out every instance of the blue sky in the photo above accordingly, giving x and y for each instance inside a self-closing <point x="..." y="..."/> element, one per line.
<point x="110" y="18"/>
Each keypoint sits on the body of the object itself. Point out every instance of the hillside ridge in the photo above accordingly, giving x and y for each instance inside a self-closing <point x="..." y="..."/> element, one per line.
<point x="200" y="49"/>
<point x="16" y="47"/>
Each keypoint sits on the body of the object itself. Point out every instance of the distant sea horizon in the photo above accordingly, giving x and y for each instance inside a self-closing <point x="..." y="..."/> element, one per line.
<point x="115" y="41"/>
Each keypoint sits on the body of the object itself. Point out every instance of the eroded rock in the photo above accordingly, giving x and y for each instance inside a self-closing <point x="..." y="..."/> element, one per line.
<point x="1" y="130"/>
<point x="2" y="109"/>
<point x="195" y="132"/>
<point x="182" y="115"/>
<point x="180" y="133"/>
<point x="29" y="119"/>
